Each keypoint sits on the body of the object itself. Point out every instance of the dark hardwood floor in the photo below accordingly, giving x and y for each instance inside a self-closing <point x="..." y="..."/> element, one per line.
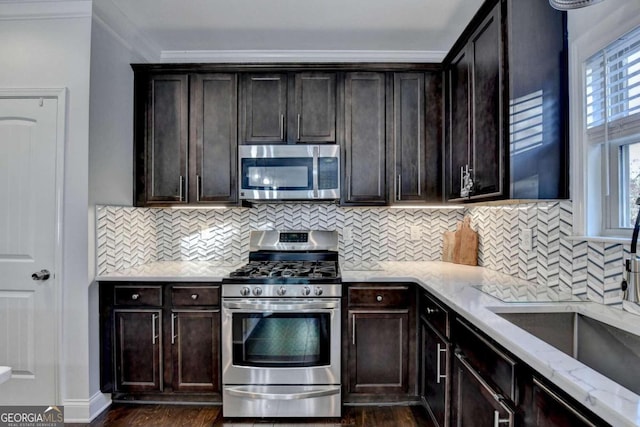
<point x="130" y="415"/>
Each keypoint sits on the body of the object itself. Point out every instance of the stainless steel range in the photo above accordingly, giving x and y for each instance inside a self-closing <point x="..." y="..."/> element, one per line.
<point x="281" y="328"/>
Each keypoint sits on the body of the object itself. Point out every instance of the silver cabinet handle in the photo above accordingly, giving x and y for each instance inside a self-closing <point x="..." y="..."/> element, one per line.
<point x="41" y="275"/>
<point x="399" y="196"/>
<point x="353" y="330"/>
<point x="135" y="297"/>
<point x="282" y="127"/>
<point x="194" y="296"/>
<point x="432" y="310"/>
<point x="181" y="192"/>
<point x="379" y="298"/>
<point x="198" y="187"/>
<point x="348" y="183"/>
<point x="173" y="328"/>
<point x="154" y="336"/>
<point x="439" y="376"/>
<point x="298" y="127"/>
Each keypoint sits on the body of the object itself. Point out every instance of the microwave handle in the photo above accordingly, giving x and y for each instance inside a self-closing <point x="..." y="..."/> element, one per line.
<point x="316" y="154"/>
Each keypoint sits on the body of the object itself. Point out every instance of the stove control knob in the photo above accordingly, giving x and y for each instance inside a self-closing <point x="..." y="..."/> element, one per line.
<point x="257" y="291"/>
<point x="318" y="291"/>
<point x="245" y="291"/>
<point x="306" y="291"/>
<point x="282" y="290"/>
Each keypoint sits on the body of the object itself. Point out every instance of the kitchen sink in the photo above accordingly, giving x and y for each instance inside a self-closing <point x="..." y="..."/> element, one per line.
<point x="613" y="352"/>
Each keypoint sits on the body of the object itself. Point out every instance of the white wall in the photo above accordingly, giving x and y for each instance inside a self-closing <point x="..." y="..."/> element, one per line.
<point x="110" y="150"/>
<point x="48" y="45"/>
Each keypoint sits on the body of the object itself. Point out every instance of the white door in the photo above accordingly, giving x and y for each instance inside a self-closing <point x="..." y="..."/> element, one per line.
<point x="28" y="308"/>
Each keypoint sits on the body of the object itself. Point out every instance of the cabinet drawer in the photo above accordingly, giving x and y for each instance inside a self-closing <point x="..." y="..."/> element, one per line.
<point x="379" y="296"/>
<point x="138" y="295"/>
<point x="195" y="295"/>
<point x="434" y="313"/>
<point x="493" y="364"/>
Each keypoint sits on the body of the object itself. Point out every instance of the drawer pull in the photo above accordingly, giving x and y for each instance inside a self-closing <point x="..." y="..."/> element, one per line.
<point x="194" y="296"/>
<point x="135" y="296"/>
<point x="379" y="298"/>
<point x="432" y="310"/>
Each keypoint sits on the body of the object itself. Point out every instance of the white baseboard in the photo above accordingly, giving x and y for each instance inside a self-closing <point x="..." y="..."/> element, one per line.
<point x="85" y="410"/>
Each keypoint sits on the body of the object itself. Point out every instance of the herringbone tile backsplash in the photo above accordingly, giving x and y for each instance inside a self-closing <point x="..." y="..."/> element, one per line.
<point x="132" y="236"/>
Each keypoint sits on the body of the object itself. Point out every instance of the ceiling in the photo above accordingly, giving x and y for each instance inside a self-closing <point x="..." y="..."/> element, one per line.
<point x="426" y="27"/>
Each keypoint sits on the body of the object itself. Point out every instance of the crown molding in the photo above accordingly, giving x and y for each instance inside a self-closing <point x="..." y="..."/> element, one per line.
<point x="30" y="10"/>
<point x="107" y="14"/>
<point x="241" y="56"/>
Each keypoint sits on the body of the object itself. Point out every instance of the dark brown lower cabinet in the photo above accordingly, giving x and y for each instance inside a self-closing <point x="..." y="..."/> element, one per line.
<point x="160" y="341"/>
<point x="196" y="350"/>
<point x="434" y="366"/>
<point x="476" y="402"/>
<point x="379" y="351"/>
<point x="138" y="350"/>
<point x="549" y="409"/>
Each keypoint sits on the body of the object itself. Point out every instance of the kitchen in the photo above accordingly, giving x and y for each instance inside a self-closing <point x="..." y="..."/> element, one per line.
<point x="376" y="233"/>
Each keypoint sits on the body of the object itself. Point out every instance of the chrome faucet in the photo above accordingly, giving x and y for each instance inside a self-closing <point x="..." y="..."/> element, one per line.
<point x="631" y="282"/>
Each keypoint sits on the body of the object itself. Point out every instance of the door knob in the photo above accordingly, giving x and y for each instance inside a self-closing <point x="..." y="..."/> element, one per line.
<point x="41" y="275"/>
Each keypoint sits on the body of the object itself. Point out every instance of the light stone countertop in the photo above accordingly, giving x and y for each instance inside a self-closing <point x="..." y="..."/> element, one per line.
<point x="458" y="287"/>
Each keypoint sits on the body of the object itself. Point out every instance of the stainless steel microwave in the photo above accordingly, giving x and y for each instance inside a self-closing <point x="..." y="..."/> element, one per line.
<point x="289" y="172"/>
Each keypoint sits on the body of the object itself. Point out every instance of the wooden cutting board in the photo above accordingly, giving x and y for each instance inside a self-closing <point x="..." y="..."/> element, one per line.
<point x="448" y="245"/>
<point x="466" y="244"/>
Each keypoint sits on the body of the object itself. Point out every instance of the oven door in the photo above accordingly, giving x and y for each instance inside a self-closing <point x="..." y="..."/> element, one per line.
<point x="270" y="342"/>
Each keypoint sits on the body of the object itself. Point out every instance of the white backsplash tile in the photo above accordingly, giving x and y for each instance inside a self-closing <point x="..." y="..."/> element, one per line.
<point x="128" y="237"/>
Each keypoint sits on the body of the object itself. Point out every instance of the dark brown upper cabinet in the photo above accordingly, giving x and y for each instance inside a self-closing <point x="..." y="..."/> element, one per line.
<point x="291" y="108"/>
<point x="365" y="139"/>
<point x="264" y="108"/>
<point x="473" y="147"/>
<point x="313" y="115"/>
<point x="506" y="105"/>
<point x="213" y="140"/>
<point x="185" y="138"/>
<point x="162" y="136"/>
<point x="415" y="145"/>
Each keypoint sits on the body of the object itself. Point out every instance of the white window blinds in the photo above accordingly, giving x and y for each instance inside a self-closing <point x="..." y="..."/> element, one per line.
<point x="613" y="90"/>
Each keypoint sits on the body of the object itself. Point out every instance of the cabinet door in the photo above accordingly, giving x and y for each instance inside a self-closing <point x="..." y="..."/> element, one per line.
<point x="379" y="351"/>
<point x="409" y="137"/>
<point x="195" y="349"/>
<point x="551" y="410"/>
<point x="314" y="112"/>
<point x="434" y="385"/>
<point x="475" y="403"/>
<point x="487" y="149"/>
<point x="365" y="138"/>
<point x="214" y="139"/>
<point x="458" y="123"/>
<point x="264" y="108"/>
<point x="138" y="348"/>
<point x="166" y="139"/>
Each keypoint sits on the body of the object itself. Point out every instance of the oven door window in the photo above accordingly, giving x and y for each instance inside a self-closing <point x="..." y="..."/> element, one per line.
<point x="284" y="174"/>
<point x="281" y="339"/>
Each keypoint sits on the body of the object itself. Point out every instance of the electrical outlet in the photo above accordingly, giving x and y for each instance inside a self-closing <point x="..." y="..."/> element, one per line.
<point x="347" y="234"/>
<point x="416" y="233"/>
<point x="527" y="240"/>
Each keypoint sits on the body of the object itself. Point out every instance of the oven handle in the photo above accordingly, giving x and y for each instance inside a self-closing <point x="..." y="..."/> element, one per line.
<point x="248" y="393"/>
<point x="285" y="306"/>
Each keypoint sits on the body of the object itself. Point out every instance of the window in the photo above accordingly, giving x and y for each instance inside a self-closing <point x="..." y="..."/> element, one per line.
<point x="612" y="119"/>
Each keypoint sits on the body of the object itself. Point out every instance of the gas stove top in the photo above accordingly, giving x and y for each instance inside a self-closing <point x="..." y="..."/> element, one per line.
<point x="290" y="257"/>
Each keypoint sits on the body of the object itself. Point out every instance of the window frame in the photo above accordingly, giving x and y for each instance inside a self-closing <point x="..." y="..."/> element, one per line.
<point x="588" y="174"/>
